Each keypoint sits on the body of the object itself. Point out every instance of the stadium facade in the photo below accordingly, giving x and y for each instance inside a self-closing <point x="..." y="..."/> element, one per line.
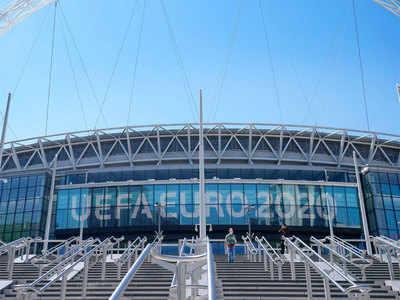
<point x="125" y="181"/>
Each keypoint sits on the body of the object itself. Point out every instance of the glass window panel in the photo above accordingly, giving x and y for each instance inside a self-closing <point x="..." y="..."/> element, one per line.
<point x="380" y="218"/>
<point x="354" y="217"/>
<point x="387" y="202"/>
<point x="263" y="194"/>
<point x="339" y="196"/>
<point x="29" y="204"/>
<point x="3" y="207"/>
<point x="385" y="189"/>
<point x="396" y="203"/>
<point x="395" y="188"/>
<point x="186" y="214"/>
<point x="391" y="219"/>
<point x="351" y="197"/>
<point x="250" y="194"/>
<point x="240" y="215"/>
<point x="160" y="194"/>
<point x="289" y="195"/>
<point x="237" y="194"/>
<point x="32" y="180"/>
<point x="186" y="194"/>
<point x="224" y="212"/>
<point x="148" y="195"/>
<point x="302" y="195"/>
<point x="264" y="214"/>
<point x="172" y="212"/>
<point x="276" y="194"/>
<point x="11" y="206"/>
<point x="61" y="219"/>
<point x="224" y="193"/>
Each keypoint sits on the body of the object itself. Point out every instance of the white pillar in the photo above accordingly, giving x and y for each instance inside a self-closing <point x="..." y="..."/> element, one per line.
<point x="362" y="206"/>
<point x="50" y="206"/>
<point x="4" y="130"/>
<point x="202" y="206"/>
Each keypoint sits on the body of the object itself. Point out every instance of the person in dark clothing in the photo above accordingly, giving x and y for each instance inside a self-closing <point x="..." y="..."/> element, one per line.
<point x="283" y="230"/>
<point x="230" y="241"/>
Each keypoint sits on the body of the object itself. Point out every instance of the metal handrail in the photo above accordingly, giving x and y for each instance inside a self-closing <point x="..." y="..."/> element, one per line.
<point x="390" y="247"/>
<point x="74" y="250"/>
<point x="62" y="270"/>
<point x="59" y="246"/>
<point x="362" y="264"/>
<point x="345" y="245"/>
<point x="126" y="256"/>
<point x="17" y="243"/>
<point x="275" y="259"/>
<point x="120" y="289"/>
<point x="58" y="268"/>
<point x="294" y="248"/>
<point x="212" y="288"/>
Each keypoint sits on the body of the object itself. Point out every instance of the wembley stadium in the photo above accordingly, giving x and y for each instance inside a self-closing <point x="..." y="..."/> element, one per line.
<point x="136" y="180"/>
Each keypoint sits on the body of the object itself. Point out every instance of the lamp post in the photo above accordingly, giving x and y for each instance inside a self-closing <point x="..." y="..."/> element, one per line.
<point x="362" y="204"/>
<point x="249" y="208"/>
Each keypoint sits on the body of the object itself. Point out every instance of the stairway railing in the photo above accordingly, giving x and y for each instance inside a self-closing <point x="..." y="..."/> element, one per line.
<point x="270" y="257"/>
<point x="250" y="249"/>
<point x="390" y="248"/>
<point x="328" y="271"/>
<point x="18" y="248"/>
<point x="120" y="289"/>
<point x="211" y="273"/>
<point x="62" y="270"/>
<point x="131" y="252"/>
<point x="334" y="250"/>
<point x="59" y="247"/>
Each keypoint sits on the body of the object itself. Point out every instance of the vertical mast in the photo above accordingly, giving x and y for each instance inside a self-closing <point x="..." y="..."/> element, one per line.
<point x="202" y="206"/>
<point x="4" y="130"/>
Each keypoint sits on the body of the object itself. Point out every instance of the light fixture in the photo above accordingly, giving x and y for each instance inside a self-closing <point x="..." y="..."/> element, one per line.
<point x="365" y="170"/>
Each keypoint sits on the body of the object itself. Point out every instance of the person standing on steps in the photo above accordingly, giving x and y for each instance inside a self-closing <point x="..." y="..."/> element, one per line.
<point x="283" y="230"/>
<point x="230" y="241"/>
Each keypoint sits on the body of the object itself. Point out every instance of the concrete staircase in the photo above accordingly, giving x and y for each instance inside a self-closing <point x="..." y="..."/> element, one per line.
<point x="248" y="280"/>
<point x="151" y="282"/>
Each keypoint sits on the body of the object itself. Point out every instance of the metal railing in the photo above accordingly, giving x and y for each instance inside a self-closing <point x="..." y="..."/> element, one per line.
<point x="211" y="273"/>
<point x="18" y="248"/>
<point x="131" y="252"/>
<point x="390" y="248"/>
<point x="120" y="289"/>
<point x="251" y="250"/>
<point x="56" y="249"/>
<point x="270" y="257"/>
<point x="329" y="272"/>
<point x="64" y="268"/>
<point x="347" y="248"/>
<point x="336" y="249"/>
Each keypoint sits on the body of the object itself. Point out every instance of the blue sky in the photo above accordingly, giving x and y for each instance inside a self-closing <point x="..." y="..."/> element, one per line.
<point x="223" y="50"/>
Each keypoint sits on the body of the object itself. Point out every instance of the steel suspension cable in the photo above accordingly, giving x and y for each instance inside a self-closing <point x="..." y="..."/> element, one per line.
<point x="133" y="85"/>
<point x="228" y="58"/>
<point x="116" y="63"/>
<point x="179" y="59"/>
<point x="360" y="62"/>
<point x="81" y="61"/>
<point x="71" y="65"/>
<point x="53" y="36"/>
<point x="271" y="62"/>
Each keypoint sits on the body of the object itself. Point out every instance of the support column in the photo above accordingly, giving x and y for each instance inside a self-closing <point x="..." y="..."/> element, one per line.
<point x="50" y="206"/>
<point x="202" y="206"/>
<point x="4" y="130"/>
<point x="362" y="206"/>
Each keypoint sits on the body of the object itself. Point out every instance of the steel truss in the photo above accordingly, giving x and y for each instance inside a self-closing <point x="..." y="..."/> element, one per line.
<point x="18" y="10"/>
<point x="224" y="143"/>
<point x="391" y="5"/>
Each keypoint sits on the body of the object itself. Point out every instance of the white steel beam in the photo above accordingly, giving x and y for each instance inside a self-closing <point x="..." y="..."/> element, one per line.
<point x="17" y="11"/>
